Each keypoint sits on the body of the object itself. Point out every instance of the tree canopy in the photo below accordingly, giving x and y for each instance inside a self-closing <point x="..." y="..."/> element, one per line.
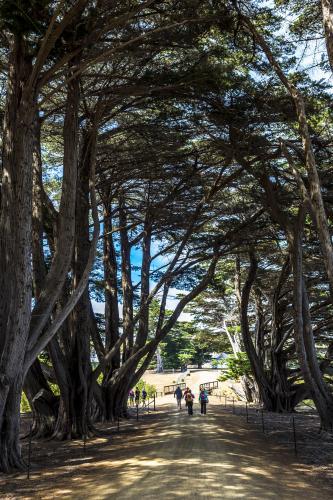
<point x="150" y="146"/>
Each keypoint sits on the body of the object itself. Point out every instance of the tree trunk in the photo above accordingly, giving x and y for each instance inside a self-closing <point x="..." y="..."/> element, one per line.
<point x="327" y="9"/>
<point x="284" y="392"/>
<point x="74" y="364"/>
<point x="257" y="369"/>
<point x="143" y="327"/>
<point x="15" y="247"/>
<point x="111" y="288"/>
<point x="126" y="279"/>
<point x="79" y="364"/>
<point x="304" y="335"/>
<point x="64" y="238"/>
<point x="43" y="403"/>
<point x="10" y="457"/>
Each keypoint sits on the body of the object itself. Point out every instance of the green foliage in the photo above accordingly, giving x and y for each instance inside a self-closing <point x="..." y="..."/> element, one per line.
<point x="236" y="367"/>
<point x="24" y="16"/>
<point x="25" y="407"/>
<point x="150" y="388"/>
<point x="185" y="344"/>
<point x="55" y="389"/>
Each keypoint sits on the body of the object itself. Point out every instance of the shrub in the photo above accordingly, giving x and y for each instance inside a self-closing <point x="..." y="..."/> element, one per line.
<point x="150" y="389"/>
<point x="235" y="367"/>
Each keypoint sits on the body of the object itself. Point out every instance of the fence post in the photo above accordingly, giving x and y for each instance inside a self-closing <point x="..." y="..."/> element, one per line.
<point x="294" y="434"/>
<point x="233" y="405"/>
<point x="148" y="405"/>
<point x="84" y="443"/>
<point x="137" y="412"/>
<point x="247" y="413"/>
<point x="29" y="451"/>
<point x="154" y="402"/>
<point x="118" y="422"/>
<point x="262" y="421"/>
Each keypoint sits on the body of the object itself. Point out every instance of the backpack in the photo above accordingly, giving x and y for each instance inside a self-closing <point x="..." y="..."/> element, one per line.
<point x="189" y="397"/>
<point x="203" y="397"/>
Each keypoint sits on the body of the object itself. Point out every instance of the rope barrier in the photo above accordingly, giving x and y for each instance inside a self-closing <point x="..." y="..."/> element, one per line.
<point x="264" y="428"/>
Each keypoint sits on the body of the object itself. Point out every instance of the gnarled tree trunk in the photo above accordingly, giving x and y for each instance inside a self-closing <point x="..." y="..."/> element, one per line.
<point x="15" y="248"/>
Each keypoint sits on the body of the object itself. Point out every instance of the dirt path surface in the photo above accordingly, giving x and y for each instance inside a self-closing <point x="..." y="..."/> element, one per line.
<point x="170" y="455"/>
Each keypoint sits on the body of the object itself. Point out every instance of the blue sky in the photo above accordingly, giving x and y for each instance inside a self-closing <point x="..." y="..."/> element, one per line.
<point x="136" y="256"/>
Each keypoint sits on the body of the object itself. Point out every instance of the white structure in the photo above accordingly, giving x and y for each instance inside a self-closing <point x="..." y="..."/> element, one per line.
<point x="159" y="361"/>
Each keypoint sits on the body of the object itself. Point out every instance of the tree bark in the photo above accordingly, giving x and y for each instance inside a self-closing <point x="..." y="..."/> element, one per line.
<point x="257" y="369"/>
<point x="80" y="364"/>
<point x="111" y="287"/>
<point x="42" y="401"/>
<point x="15" y="247"/>
<point x="126" y="280"/>
<point x="75" y="411"/>
<point x="64" y="242"/>
<point x="143" y="326"/>
<point x="327" y="9"/>
<point x="304" y="335"/>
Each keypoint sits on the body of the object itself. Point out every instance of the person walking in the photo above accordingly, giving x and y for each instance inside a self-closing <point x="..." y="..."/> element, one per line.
<point x="189" y="401"/>
<point x="144" y="397"/>
<point x="187" y="389"/>
<point x="131" y="397"/>
<point x="179" y="395"/>
<point x="203" y="398"/>
<point x="137" y="396"/>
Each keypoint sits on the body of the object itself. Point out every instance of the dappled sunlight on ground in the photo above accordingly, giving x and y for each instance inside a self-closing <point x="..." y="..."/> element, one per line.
<point x="169" y="455"/>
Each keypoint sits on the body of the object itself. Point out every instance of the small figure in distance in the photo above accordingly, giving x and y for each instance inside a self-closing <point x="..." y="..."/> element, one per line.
<point x="137" y="396"/>
<point x="203" y="398"/>
<point x="144" y="396"/>
<point x="179" y="395"/>
<point x="131" y="397"/>
<point x="189" y="397"/>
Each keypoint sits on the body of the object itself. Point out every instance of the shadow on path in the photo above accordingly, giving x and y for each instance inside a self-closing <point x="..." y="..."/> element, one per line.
<point x="169" y="456"/>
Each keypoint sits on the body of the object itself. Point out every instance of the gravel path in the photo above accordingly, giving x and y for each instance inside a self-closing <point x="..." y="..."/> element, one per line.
<point x="171" y="455"/>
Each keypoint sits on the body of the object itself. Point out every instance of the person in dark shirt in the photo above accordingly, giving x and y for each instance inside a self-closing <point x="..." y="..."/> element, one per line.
<point x="179" y="395"/>
<point x="144" y="397"/>
<point x="137" y="396"/>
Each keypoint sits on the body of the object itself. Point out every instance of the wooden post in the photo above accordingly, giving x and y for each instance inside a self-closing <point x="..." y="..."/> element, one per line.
<point x="262" y="421"/>
<point x="29" y="451"/>
<point x="233" y="405"/>
<point x="154" y="402"/>
<point x="294" y="435"/>
<point x="84" y="443"/>
<point x="247" y="413"/>
<point x="137" y="412"/>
